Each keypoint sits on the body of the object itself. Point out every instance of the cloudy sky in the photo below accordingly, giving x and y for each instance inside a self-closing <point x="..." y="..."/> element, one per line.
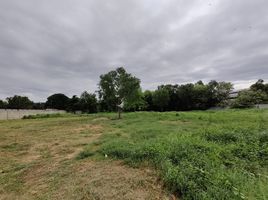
<point x="51" y="46"/>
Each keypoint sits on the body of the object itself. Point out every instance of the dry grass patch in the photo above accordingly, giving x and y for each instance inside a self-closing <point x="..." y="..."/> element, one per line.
<point x="37" y="161"/>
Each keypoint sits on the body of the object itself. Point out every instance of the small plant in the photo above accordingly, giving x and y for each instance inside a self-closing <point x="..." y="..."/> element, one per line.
<point x="85" y="154"/>
<point x="225" y="137"/>
<point x="42" y="116"/>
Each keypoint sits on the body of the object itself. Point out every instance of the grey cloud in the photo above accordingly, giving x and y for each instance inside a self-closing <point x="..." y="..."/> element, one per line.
<point x="49" y="46"/>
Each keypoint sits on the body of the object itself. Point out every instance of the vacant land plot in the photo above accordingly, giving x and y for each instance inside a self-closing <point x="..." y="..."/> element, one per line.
<point x="194" y="155"/>
<point x="39" y="159"/>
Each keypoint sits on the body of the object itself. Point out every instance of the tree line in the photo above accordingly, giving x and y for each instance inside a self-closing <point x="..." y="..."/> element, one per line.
<point x="121" y="90"/>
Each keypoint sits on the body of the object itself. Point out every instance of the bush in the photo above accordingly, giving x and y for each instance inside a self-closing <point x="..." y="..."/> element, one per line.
<point x="41" y="116"/>
<point x="85" y="154"/>
<point x="225" y="137"/>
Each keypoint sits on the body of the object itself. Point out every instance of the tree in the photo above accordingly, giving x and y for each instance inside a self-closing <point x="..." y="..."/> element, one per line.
<point x="161" y="98"/>
<point x="39" y="106"/>
<point x="218" y="93"/>
<point x="136" y="103"/>
<point x="19" y="102"/>
<point x="3" y="104"/>
<point x="186" y="97"/>
<point x="88" y="102"/>
<point x="212" y="94"/>
<point x="148" y="100"/>
<point x="74" y="104"/>
<point x="222" y="93"/>
<point x="259" y="85"/>
<point x="201" y="96"/>
<point x="249" y="98"/>
<point x="173" y="102"/>
<point x="116" y="88"/>
<point x="57" y="101"/>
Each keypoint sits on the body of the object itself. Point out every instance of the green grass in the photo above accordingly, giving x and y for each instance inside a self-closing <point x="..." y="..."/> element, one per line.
<point x="200" y="155"/>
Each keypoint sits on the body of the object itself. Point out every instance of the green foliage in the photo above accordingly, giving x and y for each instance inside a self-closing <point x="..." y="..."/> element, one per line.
<point x="260" y="86"/>
<point x="74" y="104"/>
<point x="161" y="98"/>
<point x="201" y="155"/>
<point x="198" y="96"/>
<point x="19" y="102"/>
<point x="88" y="102"/>
<point x="118" y="86"/>
<point x="222" y="137"/>
<point x="249" y="98"/>
<point x="84" y="154"/>
<point x="57" y="101"/>
<point x="3" y="104"/>
<point x="148" y="100"/>
<point x="39" y="106"/>
<point x="136" y="103"/>
<point x="42" y="116"/>
<point x="258" y="93"/>
<point x="222" y="93"/>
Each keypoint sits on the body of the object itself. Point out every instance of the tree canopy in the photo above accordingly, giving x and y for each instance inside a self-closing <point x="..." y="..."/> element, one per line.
<point x="3" y="104"/>
<point x="57" y="101"/>
<point x="19" y="102"/>
<point x="88" y="102"/>
<point x="257" y="94"/>
<point x="117" y="87"/>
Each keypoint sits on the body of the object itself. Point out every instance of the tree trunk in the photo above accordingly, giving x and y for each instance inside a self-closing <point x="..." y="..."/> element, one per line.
<point x="119" y="113"/>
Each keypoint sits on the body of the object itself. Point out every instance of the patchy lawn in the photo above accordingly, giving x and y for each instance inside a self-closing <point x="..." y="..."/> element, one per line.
<point x="40" y="159"/>
<point x="193" y="155"/>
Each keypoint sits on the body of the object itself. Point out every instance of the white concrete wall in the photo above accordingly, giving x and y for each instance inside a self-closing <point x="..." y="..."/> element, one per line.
<point x="262" y="106"/>
<point x="18" y="114"/>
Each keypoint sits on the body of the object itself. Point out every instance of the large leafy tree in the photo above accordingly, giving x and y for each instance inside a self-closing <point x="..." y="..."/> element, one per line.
<point x="118" y="87"/>
<point x="173" y="102"/>
<point x="223" y="90"/>
<point x="19" y="102"/>
<point x="148" y="100"/>
<point x="74" y="104"/>
<point x="249" y="98"/>
<point x="161" y="98"/>
<point x="218" y="93"/>
<point x="186" y="96"/>
<point x="200" y="96"/>
<point x="57" y="101"/>
<point x="257" y="94"/>
<point x="260" y="86"/>
<point x="3" y="104"/>
<point x="88" y="102"/>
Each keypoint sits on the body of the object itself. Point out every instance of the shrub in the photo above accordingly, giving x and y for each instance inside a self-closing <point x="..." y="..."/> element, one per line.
<point x="85" y="154"/>
<point x="41" y="116"/>
<point x="225" y="137"/>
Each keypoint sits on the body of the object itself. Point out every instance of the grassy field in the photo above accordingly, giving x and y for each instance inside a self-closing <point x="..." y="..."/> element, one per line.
<point x="194" y="155"/>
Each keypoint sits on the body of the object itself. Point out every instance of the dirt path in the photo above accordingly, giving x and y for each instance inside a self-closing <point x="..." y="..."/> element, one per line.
<point x="38" y="161"/>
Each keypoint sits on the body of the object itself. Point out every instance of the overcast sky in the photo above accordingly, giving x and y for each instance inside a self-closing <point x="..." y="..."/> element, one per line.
<point x="52" y="46"/>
